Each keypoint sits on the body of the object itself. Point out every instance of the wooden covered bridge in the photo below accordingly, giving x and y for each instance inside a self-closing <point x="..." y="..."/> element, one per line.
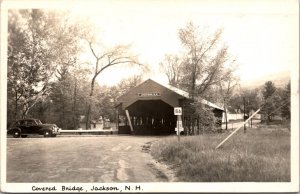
<point x="149" y="109"/>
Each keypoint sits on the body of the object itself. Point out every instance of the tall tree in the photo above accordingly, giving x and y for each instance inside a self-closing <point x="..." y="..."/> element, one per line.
<point x="67" y="98"/>
<point x="16" y="46"/>
<point x="286" y="100"/>
<point x="172" y="67"/>
<point x="126" y="84"/>
<point x="252" y="100"/>
<point x="203" y="66"/>
<point x="269" y="100"/>
<point x="205" y="58"/>
<point x="226" y="90"/>
<point x="39" y="42"/>
<point x="105" y="58"/>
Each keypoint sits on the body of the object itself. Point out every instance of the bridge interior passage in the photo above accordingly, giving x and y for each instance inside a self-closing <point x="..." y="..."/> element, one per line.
<point x="153" y="117"/>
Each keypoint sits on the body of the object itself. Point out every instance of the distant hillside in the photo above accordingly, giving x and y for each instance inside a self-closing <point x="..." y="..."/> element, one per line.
<point x="279" y="79"/>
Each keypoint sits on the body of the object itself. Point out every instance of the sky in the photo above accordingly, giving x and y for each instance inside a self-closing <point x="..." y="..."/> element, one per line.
<point x="261" y="35"/>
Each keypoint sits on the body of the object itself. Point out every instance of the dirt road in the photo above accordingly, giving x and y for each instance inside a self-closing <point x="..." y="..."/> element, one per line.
<point x="83" y="159"/>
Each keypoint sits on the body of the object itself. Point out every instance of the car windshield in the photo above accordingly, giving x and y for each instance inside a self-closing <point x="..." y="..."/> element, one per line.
<point x="38" y="122"/>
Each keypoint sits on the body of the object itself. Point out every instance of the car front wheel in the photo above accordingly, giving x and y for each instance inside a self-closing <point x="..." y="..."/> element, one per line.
<point x="47" y="133"/>
<point x="16" y="134"/>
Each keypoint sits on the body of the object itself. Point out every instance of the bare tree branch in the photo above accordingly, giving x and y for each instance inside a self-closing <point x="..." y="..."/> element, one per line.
<point x="116" y="55"/>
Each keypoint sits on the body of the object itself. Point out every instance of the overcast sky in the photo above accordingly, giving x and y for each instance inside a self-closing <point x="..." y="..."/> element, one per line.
<point x="262" y="35"/>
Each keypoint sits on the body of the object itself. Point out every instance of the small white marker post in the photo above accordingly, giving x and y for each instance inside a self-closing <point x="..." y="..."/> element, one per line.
<point x="179" y="128"/>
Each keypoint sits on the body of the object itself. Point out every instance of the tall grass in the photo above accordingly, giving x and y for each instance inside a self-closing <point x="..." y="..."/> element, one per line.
<point x="260" y="155"/>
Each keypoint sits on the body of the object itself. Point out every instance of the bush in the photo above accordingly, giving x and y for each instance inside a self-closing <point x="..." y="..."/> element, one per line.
<point x="200" y="117"/>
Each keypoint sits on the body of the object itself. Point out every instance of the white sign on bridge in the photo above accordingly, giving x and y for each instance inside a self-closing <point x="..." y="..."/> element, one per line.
<point x="177" y="111"/>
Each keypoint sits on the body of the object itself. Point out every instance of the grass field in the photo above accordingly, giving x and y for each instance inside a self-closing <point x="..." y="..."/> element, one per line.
<point x="260" y="155"/>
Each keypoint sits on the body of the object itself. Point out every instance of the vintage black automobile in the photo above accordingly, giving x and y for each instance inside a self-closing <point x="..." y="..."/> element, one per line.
<point x="24" y="127"/>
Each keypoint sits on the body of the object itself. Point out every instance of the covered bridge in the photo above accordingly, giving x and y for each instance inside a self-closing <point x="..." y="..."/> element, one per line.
<point x="149" y="108"/>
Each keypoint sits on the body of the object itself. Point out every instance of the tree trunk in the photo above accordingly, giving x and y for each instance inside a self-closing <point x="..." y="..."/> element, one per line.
<point x="25" y="112"/>
<point x="225" y="111"/>
<point x="16" y="106"/>
<point x="88" y="115"/>
<point x="88" y="123"/>
<point x="63" y="113"/>
<point x="193" y="83"/>
<point x="193" y="126"/>
<point x="189" y="125"/>
<point x="75" y="124"/>
<point x="198" y="126"/>
<point x="185" y="125"/>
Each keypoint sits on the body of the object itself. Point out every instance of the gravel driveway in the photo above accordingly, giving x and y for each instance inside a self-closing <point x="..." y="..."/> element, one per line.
<point x="83" y="159"/>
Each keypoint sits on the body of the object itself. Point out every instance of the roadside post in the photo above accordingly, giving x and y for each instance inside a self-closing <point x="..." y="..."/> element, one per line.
<point x="244" y="114"/>
<point x="179" y="128"/>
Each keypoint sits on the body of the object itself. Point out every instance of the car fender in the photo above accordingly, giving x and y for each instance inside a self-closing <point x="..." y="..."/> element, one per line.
<point x="43" y="129"/>
<point x="11" y="131"/>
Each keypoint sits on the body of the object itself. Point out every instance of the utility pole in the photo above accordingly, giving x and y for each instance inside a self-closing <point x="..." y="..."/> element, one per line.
<point x="225" y="114"/>
<point x="251" y="121"/>
<point x="248" y="113"/>
<point x="244" y="114"/>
